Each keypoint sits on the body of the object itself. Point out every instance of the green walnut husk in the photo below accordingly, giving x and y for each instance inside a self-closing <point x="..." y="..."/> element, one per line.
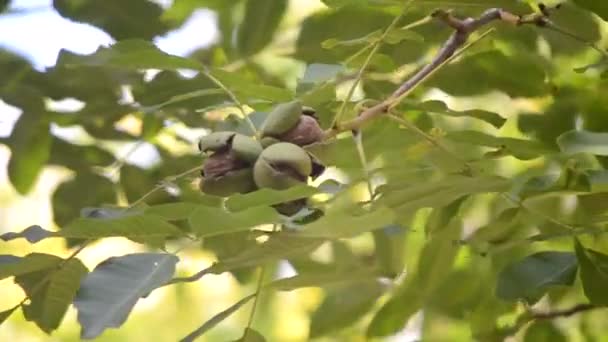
<point x="216" y="141"/>
<point x="229" y="167"/>
<point x="267" y="141"/>
<point x="282" y="118"/>
<point x="239" y="181"/>
<point x="281" y="166"/>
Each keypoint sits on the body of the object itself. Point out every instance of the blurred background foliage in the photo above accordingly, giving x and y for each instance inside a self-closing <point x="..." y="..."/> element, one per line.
<point x="523" y="103"/>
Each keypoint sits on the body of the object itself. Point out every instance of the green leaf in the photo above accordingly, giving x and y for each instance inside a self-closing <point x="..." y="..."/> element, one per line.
<point x="594" y="273"/>
<point x="123" y="20"/>
<point x="518" y="148"/>
<point x="544" y="331"/>
<point x="268" y="197"/>
<point x="130" y="54"/>
<point x="132" y="226"/>
<point x="217" y="319"/>
<point x="107" y="294"/>
<point x="279" y="246"/>
<point x="318" y="72"/>
<point x="485" y="72"/>
<point x="14" y="266"/>
<point x="598" y="7"/>
<point x="69" y="198"/>
<point x="440" y="107"/>
<point x="51" y="292"/>
<point x="4" y="315"/>
<point x="396" y="36"/>
<point x="172" y="211"/>
<point x="32" y="234"/>
<point x="584" y="142"/>
<point x="435" y="263"/>
<point x="262" y="18"/>
<point x="251" y="335"/>
<point x="246" y="89"/>
<point x="30" y="144"/>
<point x="440" y="193"/>
<point x="342" y="224"/>
<point x="208" y="221"/>
<point x="343" y="306"/>
<point x="369" y="38"/>
<point x="531" y="277"/>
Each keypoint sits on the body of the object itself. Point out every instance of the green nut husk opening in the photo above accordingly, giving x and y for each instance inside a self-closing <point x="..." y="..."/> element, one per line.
<point x="281" y="166"/>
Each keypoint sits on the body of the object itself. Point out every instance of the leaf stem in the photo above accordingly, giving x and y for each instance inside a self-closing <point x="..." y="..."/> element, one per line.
<point x="232" y="96"/>
<point x="375" y="47"/>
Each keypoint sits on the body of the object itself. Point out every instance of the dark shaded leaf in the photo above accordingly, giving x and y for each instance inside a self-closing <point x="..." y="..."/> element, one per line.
<point x="594" y="273"/>
<point x="30" y="144"/>
<point x="109" y="293"/>
<point x="69" y="198"/>
<point x="51" y="292"/>
<point x="343" y="306"/>
<point x="122" y="20"/>
<point x="262" y="18"/>
<point x="4" y="315"/>
<point x="598" y="7"/>
<point x="434" y="265"/>
<point x="531" y="277"/>
<point x="32" y="234"/>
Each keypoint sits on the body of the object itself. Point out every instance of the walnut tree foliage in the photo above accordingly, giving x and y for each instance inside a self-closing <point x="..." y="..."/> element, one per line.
<point x="491" y="220"/>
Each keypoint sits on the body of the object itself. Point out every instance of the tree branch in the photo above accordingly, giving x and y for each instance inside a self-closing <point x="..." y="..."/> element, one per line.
<point x="563" y="313"/>
<point x="463" y="28"/>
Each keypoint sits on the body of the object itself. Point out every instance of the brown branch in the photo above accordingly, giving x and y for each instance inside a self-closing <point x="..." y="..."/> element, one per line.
<point x="563" y="313"/>
<point x="463" y="28"/>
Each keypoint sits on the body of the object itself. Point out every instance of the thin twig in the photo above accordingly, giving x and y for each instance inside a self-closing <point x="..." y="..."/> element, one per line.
<point x="161" y="185"/>
<point x="463" y="28"/>
<point x="564" y="313"/>
<point x="233" y="97"/>
<point x="257" y="293"/>
<point x="375" y="47"/>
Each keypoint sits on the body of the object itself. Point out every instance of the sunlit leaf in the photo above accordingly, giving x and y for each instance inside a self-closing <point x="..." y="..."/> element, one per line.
<point x="51" y="293"/>
<point x="130" y="226"/>
<point x="209" y="221"/>
<point x="267" y="197"/>
<point x="344" y="224"/>
<point x="343" y="306"/>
